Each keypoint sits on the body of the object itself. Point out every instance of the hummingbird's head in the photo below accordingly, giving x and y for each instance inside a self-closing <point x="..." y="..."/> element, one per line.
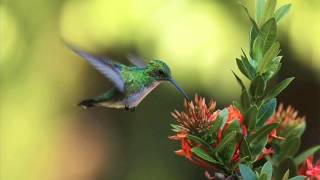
<point x="161" y="72"/>
<point x="158" y="70"/>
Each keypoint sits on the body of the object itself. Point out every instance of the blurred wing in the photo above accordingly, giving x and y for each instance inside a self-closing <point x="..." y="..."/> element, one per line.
<point x="135" y="60"/>
<point x="105" y="66"/>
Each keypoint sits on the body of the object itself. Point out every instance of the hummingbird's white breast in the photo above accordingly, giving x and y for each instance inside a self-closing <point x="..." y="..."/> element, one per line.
<point x="136" y="98"/>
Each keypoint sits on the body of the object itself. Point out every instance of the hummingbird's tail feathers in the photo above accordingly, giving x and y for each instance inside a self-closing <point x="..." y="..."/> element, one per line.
<point x="87" y="103"/>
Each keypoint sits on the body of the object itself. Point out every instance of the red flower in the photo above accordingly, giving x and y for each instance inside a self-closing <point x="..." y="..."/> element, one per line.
<point x="234" y="114"/>
<point x="310" y="170"/>
<point x="186" y="150"/>
<point x="185" y="144"/>
<point x="273" y="134"/>
<point x="266" y="152"/>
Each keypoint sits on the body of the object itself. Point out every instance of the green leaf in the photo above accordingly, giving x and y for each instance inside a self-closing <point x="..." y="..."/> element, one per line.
<point x="251" y="117"/>
<point x="271" y="53"/>
<point x="245" y="149"/>
<point x="298" y="178"/>
<point x="284" y="166"/>
<point x="267" y="169"/>
<point x="304" y="155"/>
<point x="203" y="155"/>
<point x="213" y="131"/>
<point x="268" y="11"/>
<point x="227" y="153"/>
<point x="242" y="68"/>
<point x="248" y="14"/>
<point x="260" y="7"/>
<point x="259" y="140"/>
<point x="282" y="11"/>
<point x="239" y="80"/>
<point x="224" y="114"/>
<point x="245" y="100"/>
<point x="226" y="141"/>
<point x="248" y="66"/>
<point x="175" y="127"/>
<point x="199" y="141"/>
<point x="276" y="90"/>
<point x="234" y="126"/>
<point x="257" y="87"/>
<point x="262" y="133"/>
<point x="247" y="173"/>
<point x="266" y="37"/>
<point x="263" y="176"/>
<point x="286" y="175"/>
<point x="254" y="31"/>
<point x="266" y="111"/>
<point x="246" y="69"/>
<point x="258" y="147"/>
<point x="289" y="148"/>
<point x="273" y="68"/>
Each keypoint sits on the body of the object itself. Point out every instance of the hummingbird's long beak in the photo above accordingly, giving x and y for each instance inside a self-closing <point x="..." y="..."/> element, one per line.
<point x="179" y="88"/>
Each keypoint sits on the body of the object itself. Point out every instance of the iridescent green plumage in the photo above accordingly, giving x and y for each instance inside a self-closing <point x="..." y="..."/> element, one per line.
<point x="132" y="83"/>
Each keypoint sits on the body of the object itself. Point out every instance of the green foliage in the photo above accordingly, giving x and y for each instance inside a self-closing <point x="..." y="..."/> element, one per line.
<point x="244" y="145"/>
<point x="199" y="141"/>
<point x="282" y="11"/>
<point x="284" y="166"/>
<point x="276" y="90"/>
<point x="289" y="148"/>
<point x="203" y="155"/>
<point x="266" y="111"/>
<point x="265" y="39"/>
<point x="301" y="157"/>
<point x="245" y="151"/>
<point x="258" y="101"/>
<point x="247" y="173"/>
<point x="267" y="170"/>
<point x="269" y="9"/>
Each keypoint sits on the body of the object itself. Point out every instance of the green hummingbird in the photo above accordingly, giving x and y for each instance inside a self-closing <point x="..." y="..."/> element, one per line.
<point x="131" y="83"/>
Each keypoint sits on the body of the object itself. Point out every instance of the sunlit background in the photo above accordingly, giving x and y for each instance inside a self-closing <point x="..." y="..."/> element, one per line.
<point x="44" y="135"/>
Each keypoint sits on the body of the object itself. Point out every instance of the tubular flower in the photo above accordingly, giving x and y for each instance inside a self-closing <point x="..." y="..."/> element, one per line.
<point x="289" y="121"/>
<point x="309" y="170"/>
<point x="186" y="150"/>
<point x="234" y="114"/>
<point x="196" y="121"/>
<point x="198" y="117"/>
<point x="266" y="152"/>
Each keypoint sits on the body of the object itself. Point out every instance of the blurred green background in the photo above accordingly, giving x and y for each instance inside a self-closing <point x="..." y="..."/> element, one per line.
<point x="44" y="135"/>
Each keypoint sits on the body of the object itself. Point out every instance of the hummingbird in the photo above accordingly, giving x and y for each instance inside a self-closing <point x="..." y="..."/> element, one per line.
<point x="131" y="83"/>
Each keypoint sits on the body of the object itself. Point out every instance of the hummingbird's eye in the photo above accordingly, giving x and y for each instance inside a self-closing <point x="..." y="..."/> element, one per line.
<point x="161" y="73"/>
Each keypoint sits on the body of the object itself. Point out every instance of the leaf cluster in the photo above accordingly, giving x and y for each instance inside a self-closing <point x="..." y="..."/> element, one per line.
<point x="258" y="100"/>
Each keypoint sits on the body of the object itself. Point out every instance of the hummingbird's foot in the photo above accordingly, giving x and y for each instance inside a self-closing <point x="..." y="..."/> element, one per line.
<point x="127" y="108"/>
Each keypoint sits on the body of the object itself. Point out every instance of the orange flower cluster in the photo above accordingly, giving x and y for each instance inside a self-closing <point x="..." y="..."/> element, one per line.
<point x="198" y="118"/>
<point x="287" y="117"/>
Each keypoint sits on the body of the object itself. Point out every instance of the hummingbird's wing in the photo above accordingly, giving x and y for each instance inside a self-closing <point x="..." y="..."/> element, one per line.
<point x="135" y="60"/>
<point x="105" y="66"/>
